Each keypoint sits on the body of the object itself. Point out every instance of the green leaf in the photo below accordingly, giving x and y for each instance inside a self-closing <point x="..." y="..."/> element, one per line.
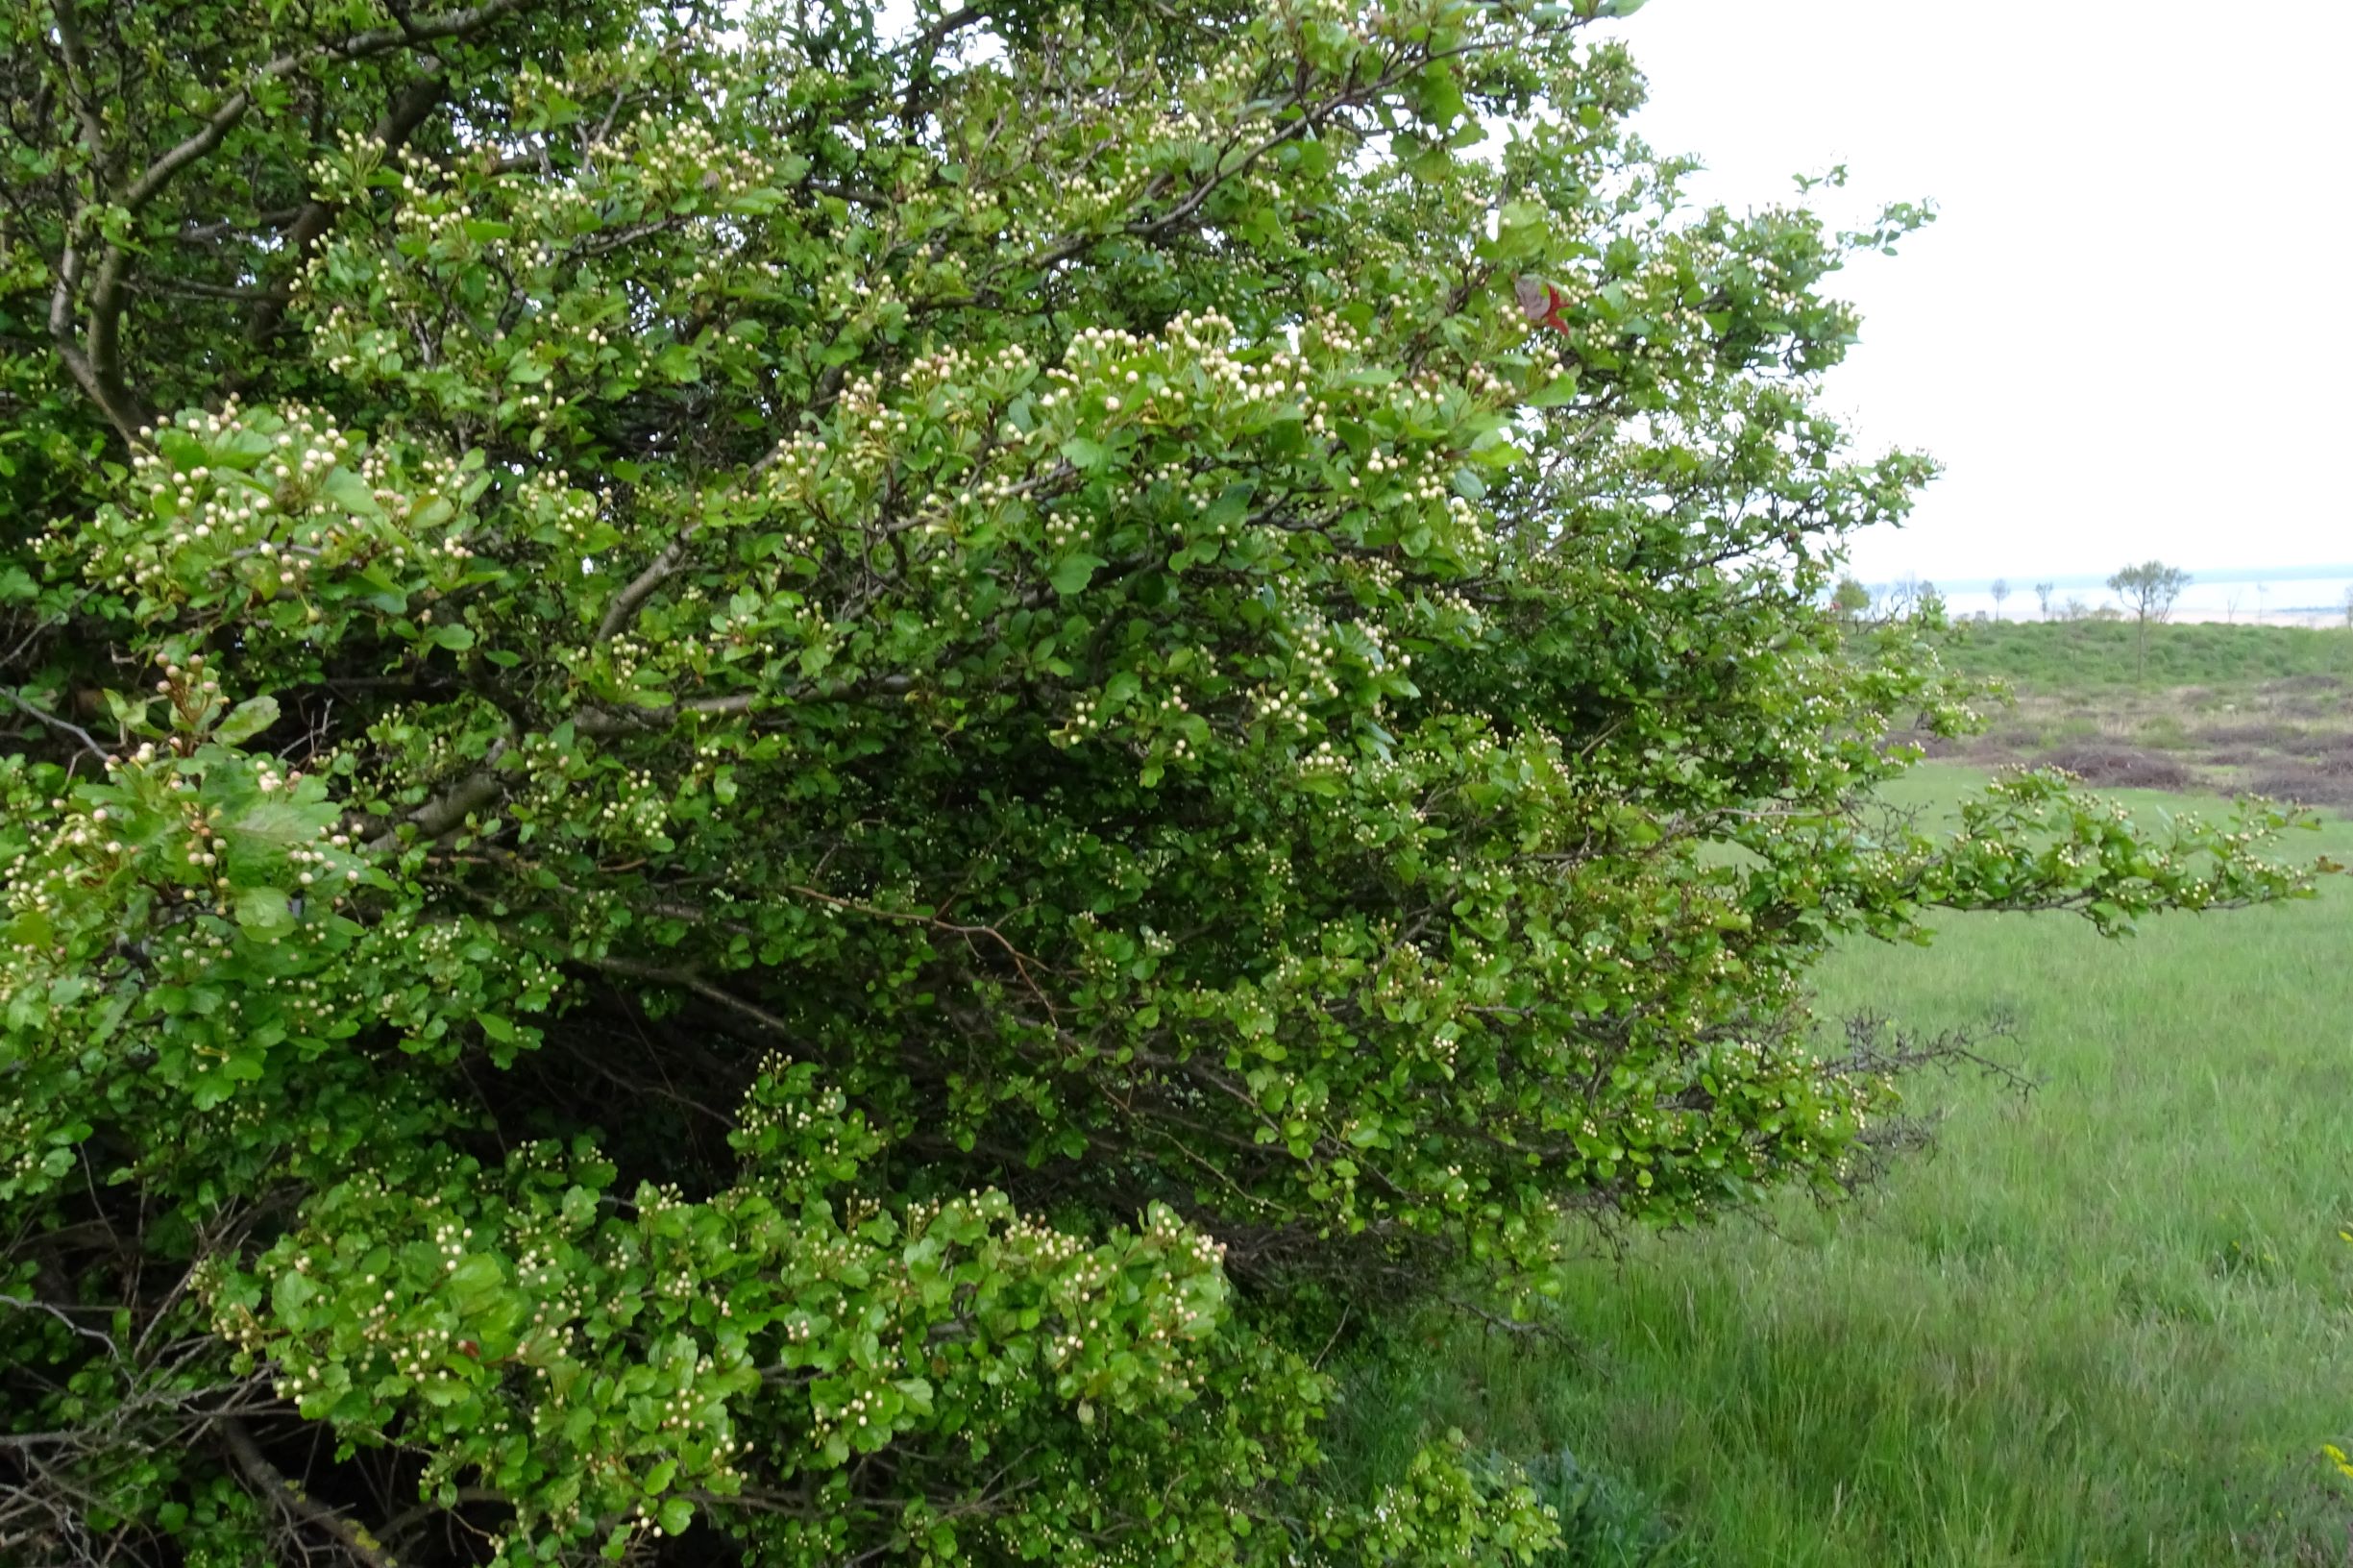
<point x="288" y="1296"/>
<point x="348" y="491"/>
<point x="266" y="912"/>
<point x="1231" y="507"/>
<point x="475" y="1278"/>
<point x="247" y="719"/>
<point x="1440" y="95"/>
<point x="1559" y="390"/>
<point x="1073" y="573"/>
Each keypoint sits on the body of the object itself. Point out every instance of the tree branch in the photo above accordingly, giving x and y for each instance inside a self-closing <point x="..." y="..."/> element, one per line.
<point x="113" y="400"/>
<point x="80" y="87"/>
<point x="438" y="816"/>
<point x="409" y="108"/>
<point x="423" y="1513"/>
<point x="88" y="744"/>
<point x="96" y="362"/>
<point x="601" y="722"/>
<point x="358" y="46"/>
<point x="689" y="980"/>
<point x="294" y="1503"/>
<point x="641" y="587"/>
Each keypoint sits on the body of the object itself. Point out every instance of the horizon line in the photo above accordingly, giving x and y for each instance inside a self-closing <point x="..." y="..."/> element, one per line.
<point x="2095" y="579"/>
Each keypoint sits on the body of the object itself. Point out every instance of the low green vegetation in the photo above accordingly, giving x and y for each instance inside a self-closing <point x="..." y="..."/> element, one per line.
<point x="2098" y="654"/>
<point x="2105" y="1321"/>
<point x="2226" y="710"/>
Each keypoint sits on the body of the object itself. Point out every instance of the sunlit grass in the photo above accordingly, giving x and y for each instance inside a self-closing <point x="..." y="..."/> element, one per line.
<point x="2109" y="1322"/>
<point x="2075" y="655"/>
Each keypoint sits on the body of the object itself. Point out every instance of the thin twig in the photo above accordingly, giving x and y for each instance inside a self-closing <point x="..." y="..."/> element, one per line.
<point x="56" y="722"/>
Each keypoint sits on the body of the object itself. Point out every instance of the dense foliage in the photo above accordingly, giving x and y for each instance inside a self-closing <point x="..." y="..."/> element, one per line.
<point x="790" y="791"/>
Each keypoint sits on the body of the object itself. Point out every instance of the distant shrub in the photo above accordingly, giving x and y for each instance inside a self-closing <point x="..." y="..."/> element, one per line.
<point x="2075" y="727"/>
<point x="2309" y="683"/>
<point x="2120" y="767"/>
<point x="2277" y="734"/>
<point x="2305" y="783"/>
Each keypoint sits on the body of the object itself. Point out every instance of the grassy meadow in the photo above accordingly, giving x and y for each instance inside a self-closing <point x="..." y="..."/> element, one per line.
<point x="2105" y="1322"/>
<point x="2053" y="656"/>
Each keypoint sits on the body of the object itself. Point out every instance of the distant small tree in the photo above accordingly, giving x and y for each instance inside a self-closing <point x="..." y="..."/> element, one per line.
<point x="2149" y="591"/>
<point x="2042" y="594"/>
<point x="2001" y="590"/>
<point x="2074" y="609"/>
<point x="1850" y="601"/>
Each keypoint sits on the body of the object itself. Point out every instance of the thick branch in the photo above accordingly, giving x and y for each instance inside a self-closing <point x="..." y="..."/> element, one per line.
<point x="641" y="587"/>
<point x="409" y="108"/>
<point x="358" y="46"/>
<point x="96" y="362"/>
<point x="604" y="721"/>
<point x="438" y="816"/>
<point x="609" y="722"/>
<point x="294" y="1503"/>
<point x="113" y="400"/>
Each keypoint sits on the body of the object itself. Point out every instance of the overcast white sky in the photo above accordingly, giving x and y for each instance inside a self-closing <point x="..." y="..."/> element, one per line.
<point x="2131" y="331"/>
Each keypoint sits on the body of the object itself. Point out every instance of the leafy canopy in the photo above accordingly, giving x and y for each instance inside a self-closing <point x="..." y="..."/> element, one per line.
<point x="2150" y="589"/>
<point x="778" y="788"/>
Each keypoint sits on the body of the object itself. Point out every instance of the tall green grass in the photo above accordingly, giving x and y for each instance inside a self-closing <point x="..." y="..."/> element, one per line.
<point x="2106" y="1323"/>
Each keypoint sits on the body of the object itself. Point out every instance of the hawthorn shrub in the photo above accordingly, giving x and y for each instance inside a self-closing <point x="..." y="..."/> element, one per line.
<point x="777" y="788"/>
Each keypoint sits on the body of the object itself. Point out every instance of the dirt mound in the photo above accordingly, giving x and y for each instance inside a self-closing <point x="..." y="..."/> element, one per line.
<point x="2120" y="767"/>
<point x="2307" y="684"/>
<point x="2309" y="697"/>
<point x="2306" y="783"/>
<point x="2276" y="734"/>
